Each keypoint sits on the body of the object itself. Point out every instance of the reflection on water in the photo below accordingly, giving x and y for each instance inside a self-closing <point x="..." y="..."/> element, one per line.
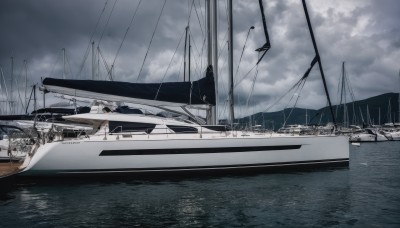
<point x="363" y="195"/>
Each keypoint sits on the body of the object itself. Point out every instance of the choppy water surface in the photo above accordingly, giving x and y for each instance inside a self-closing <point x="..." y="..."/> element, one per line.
<point x="366" y="194"/>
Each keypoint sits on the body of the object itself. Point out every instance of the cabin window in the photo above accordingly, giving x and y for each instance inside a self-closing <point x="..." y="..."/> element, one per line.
<point x="182" y="129"/>
<point x="120" y="126"/>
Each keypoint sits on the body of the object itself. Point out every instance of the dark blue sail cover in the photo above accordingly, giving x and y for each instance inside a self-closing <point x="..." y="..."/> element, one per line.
<point x="201" y="92"/>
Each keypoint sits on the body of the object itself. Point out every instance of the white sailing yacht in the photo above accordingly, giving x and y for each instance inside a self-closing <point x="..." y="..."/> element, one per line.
<point x="138" y="143"/>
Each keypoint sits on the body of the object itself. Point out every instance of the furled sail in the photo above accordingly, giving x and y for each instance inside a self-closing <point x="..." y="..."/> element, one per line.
<point x="201" y="92"/>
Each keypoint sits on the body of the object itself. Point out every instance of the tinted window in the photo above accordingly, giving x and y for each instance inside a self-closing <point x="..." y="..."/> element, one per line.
<point x="119" y="126"/>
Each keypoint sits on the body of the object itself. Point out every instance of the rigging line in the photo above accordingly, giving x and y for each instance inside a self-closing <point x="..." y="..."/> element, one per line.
<point x="224" y="40"/>
<point x="69" y="65"/>
<point x="190" y="12"/>
<point x="104" y="61"/>
<point x="225" y="90"/>
<point x="5" y="85"/>
<point x="198" y="19"/>
<point x="16" y="86"/>
<point x="241" y="55"/>
<point x="162" y="81"/>
<point x="151" y="40"/>
<point x="106" y="25"/>
<point x="202" y="16"/>
<point x="122" y="42"/>
<point x="245" y="76"/>
<point x="220" y="51"/>
<point x="90" y="41"/>
<point x="296" y="84"/>
<point x="54" y="66"/>
<point x="198" y="53"/>
<point x="180" y="69"/>
<point x="197" y="68"/>
<point x="350" y="88"/>
<point x="252" y="88"/>
<point x="223" y="110"/>
<point x="295" y="104"/>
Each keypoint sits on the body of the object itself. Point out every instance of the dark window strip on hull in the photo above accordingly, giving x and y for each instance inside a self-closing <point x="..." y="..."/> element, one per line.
<point x="195" y="150"/>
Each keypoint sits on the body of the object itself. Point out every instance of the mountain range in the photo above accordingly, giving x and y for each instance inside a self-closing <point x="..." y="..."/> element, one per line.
<point x="375" y="110"/>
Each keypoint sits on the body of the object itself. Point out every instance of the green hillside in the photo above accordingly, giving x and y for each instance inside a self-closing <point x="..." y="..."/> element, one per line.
<point x="275" y="120"/>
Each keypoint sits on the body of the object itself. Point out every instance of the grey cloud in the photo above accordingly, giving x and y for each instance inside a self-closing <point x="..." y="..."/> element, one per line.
<point x="365" y="35"/>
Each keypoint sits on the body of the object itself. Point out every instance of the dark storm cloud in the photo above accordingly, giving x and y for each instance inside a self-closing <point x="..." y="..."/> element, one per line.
<point x="365" y="34"/>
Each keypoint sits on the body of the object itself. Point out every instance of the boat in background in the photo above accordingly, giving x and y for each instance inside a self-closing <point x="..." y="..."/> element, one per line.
<point x="367" y="135"/>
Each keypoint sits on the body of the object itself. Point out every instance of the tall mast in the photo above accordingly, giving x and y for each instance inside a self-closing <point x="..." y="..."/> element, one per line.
<point x="211" y="38"/>
<point x="184" y="53"/>
<point x="319" y="61"/>
<point x="398" y="99"/>
<point x="230" y="62"/>
<point x="11" y="88"/>
<point x="209" y="33"/>
<point x="214" y="109"/>
<point x="210" y="112"/>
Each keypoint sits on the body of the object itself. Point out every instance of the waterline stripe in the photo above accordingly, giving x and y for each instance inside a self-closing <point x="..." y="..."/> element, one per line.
<point x="227" y="167"/>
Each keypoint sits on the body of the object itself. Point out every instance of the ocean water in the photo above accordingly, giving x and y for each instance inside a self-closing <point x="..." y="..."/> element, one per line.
<point x="367" y="194"/>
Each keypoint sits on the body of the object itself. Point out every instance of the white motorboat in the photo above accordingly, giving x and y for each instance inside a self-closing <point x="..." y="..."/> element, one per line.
<point x="367" y="135"/>
<point x="392" y="134"/>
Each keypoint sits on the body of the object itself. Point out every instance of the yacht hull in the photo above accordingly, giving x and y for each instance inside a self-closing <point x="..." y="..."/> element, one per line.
<point x="112" y="156"/>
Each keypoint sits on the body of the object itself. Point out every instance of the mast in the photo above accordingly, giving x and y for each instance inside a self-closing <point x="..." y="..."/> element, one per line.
<point x="190" y="48"/>
<point x="230" y="62"/>
<point x="379" y="121"/>
<point x="26" y="81"/>
<point x="398" y="99"/>
<point x="11" y="89"/>
<point x="98" y="62"/>
<point x="93" y="61"/>
<point x="34" y="98"/>
<point x="184" y="54"/>
<point x="212" y="54"/>
<point x="319" y="61"/>
<point x="210" y="112"/>
<point x="214" y="109"/>
<point x="306" y="118"/>
<point x="63" y="73"/>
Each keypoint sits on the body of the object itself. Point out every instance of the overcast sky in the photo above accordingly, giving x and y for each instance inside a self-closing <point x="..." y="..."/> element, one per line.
<point x="363" y="33"/>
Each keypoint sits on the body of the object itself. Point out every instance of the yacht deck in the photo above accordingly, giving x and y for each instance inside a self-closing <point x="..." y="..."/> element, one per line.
<point x="9" y="168"/>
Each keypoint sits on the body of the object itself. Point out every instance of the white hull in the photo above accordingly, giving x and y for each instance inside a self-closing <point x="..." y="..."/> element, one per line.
<point x="362" y="137"/>
<point x="395" y="136"/>
<point x="182" y="153"/>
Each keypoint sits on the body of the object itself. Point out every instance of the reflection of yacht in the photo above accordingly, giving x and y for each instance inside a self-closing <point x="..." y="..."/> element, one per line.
<point x="367" y="135"/>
